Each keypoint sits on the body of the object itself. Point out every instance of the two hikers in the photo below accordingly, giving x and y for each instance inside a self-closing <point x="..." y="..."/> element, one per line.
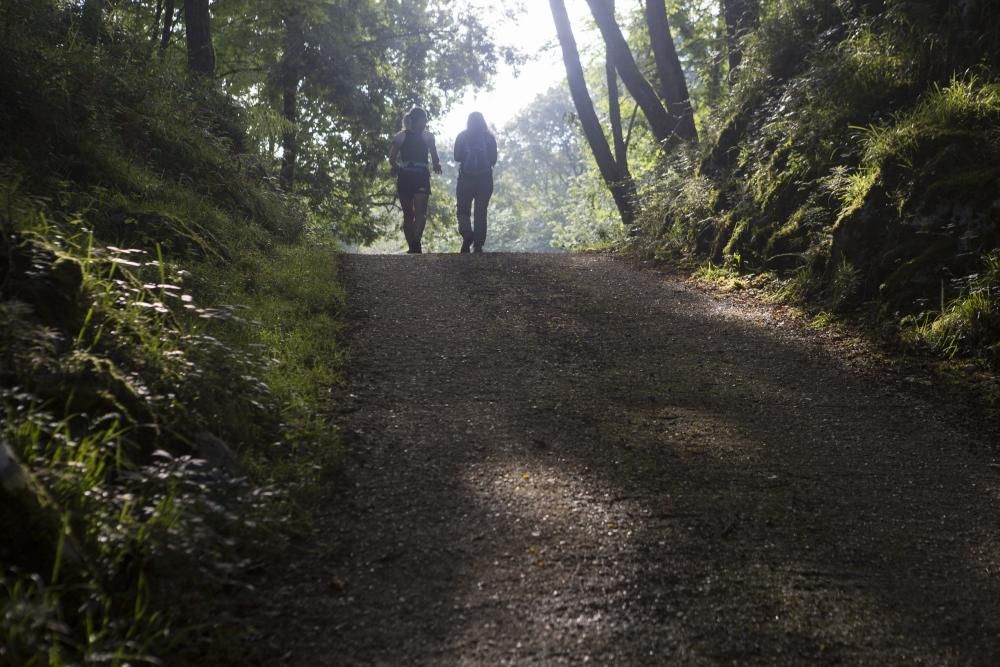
<point x="476" y="154"/>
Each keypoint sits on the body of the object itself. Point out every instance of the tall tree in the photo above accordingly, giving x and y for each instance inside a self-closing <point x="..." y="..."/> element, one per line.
<point x="673" y="85"/>
<point x="197" y="21"/>
<point x="292" y="67"/>
<point x="740" y="16"/>
<point x="92" y="19"/>
<point x="327" y="89"/>
<point x="660" y="122"/>
<point x="168" y="24"/>
<point x="615" y="108"/>
<point x="619" y="183"/>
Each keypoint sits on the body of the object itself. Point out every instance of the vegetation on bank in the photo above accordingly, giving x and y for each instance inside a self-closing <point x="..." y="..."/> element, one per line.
<point x="855" y="160"/>
<point x="166" y="352"/>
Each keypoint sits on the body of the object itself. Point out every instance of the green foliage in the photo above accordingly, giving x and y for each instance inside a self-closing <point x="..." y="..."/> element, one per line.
<point x="728" y="279"/>
<point x="166" y="350"/>
<point x="687" y="201"/>
<point x="549" y="194"/>
<point x="855" y="155"/>
<point x="968" y="324"/>
<point x="594" y="221"/>
<point x="546" y="195"/>
<point x="953" y="130"/>
<point x="537" y="185"/>
<point x="294" y="296"/>
<point x="360" y="65"/>
<point x="697" y="28"/>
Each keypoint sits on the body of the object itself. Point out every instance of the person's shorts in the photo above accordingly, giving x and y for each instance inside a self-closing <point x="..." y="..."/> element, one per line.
<point x="413" y="180"/>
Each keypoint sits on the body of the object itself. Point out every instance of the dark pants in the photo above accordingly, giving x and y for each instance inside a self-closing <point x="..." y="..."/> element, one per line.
<point x="473" y="188"/>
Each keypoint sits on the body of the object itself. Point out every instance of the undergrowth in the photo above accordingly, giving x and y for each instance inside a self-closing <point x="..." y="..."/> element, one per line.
<point x="966" y="324"/>
<point x="856" y="159"/>
<point x="167" y="345"/>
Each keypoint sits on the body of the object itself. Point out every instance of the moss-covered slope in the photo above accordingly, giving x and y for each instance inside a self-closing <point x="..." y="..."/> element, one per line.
<point x="858" y="158"/>
<point x="166" y="321"/>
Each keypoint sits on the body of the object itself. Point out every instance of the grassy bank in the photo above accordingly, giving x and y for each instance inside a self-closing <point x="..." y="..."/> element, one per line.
<point x="855" y="163"/>
<point x="168" y="321"/>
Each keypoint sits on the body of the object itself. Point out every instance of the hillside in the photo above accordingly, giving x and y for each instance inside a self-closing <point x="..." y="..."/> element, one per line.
<point x="165" y="350"/>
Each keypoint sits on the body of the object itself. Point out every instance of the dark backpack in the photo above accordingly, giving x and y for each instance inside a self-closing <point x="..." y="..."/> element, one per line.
<point x="477" y="156"/>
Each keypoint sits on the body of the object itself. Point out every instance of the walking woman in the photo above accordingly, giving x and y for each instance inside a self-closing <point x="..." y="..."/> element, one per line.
<point x="476" y="153"/>
<point x="408" y="159"/>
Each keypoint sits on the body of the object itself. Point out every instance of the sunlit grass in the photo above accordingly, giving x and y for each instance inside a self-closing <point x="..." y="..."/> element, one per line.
<point x="725" y="278"/>
<point x="170" y="300"/>
<point x="966" y="323"/>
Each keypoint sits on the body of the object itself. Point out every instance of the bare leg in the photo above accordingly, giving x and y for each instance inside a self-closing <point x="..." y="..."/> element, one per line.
<point x="419" y="216"/>
<point x="406" y="202"/>
<point x="464" y="194"/>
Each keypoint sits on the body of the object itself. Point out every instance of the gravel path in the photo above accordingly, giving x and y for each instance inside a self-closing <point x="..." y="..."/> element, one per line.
<point x="571" y="459"/>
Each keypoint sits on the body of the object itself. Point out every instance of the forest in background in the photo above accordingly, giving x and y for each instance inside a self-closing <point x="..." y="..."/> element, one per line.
<point x="177" y="178"/>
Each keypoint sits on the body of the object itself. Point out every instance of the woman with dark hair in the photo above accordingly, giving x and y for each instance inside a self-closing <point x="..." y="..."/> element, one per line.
<point x="476" y="153"/>
<point x="408" y="159"/>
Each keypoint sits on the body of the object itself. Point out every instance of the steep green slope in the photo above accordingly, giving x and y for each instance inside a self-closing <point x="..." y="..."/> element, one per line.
<point x="857" y="159"/>
<point x="166" y="344"/>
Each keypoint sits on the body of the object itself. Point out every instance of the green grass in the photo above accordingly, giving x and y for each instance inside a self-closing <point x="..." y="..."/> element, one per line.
<point x="296" y="302"/>
<point x="860" y="169"/>
<point x="156" y="298"/>
<point x="104" y="418"/>
<point x="725" y="278"/>
<point x="967" y="324"/>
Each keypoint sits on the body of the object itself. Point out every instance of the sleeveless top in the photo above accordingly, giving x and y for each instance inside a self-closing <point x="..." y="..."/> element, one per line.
<point x="414" y="149"/>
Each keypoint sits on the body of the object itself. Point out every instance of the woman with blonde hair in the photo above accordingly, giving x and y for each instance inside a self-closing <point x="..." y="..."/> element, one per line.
<point x="408" y="159"/>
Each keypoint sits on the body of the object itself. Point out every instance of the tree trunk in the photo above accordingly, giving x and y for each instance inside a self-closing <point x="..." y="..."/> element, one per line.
<point x="740" y="16"/>
<point x="615" y="117"/>
<point x="201" y="56"/>
<point x="620" y="184"/>
<point x="289" y="140"/>
<point x="155" y="32"/>
<point x="92" y="20"/>
<point x="291" y="75"/>
<point x="673" y="85"/>
<point x="662" y="125"/>
<point x="615" y="109"/>
<point x="168" y="24"/>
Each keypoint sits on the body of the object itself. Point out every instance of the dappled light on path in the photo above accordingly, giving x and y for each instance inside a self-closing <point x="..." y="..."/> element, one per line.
<point x="566" y="459"/>
<point x="551" y="509"/>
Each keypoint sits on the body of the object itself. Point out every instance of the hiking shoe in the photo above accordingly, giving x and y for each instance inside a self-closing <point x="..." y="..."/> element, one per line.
<point x="465" y="246"/>
<point x="477" y="248"/>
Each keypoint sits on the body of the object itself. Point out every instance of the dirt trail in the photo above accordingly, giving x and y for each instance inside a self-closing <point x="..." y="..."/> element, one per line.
<point x="569" y="459"/>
